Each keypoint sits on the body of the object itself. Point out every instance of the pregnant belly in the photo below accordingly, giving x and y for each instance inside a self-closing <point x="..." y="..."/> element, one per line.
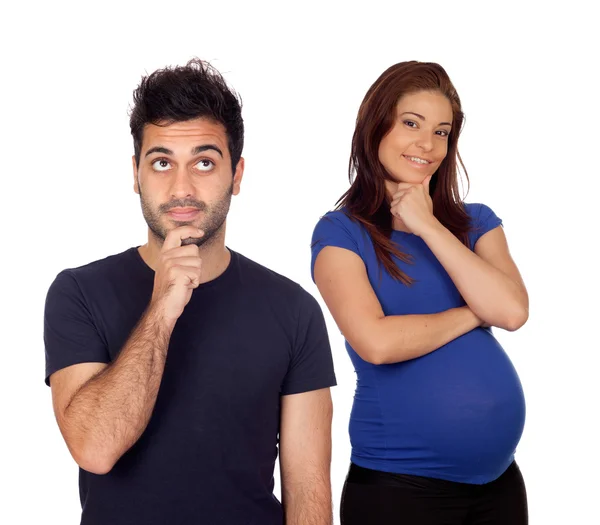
<point x="457" y="413"/>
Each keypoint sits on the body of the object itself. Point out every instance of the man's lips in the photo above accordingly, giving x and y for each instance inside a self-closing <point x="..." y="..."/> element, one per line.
<point x="183" y="214"/>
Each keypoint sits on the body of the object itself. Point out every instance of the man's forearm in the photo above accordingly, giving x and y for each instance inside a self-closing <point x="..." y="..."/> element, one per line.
<point x="107" y="415"/>
<point x="308" y="504"/>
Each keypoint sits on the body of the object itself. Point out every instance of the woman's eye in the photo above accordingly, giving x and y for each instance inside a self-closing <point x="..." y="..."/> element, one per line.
<point x="205" y="165"/>
<point x="410" y="123"/>
<point x="161" y="165"/>
<point x="443" y="133"/>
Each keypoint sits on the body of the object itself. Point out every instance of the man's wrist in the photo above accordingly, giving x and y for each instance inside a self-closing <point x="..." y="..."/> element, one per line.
<point x="156" y="318"/>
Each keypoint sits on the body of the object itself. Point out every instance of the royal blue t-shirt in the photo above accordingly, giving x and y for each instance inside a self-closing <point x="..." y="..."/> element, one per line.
<point x="456" y="413"/>
<point x="208" y="453"/>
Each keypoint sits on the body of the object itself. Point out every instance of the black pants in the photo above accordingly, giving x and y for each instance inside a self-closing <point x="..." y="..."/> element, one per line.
<point x="371" y="497"/>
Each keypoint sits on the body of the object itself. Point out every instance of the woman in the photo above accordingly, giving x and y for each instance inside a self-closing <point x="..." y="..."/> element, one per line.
<point x="415" y="278"/>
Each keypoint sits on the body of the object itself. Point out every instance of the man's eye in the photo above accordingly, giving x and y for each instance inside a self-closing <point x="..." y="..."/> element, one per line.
<point x="161" y="165"/>
<point x="205" y="165"/>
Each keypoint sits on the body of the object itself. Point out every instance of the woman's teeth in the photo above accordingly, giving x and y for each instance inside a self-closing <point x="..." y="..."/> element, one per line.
<point x="418" y="160"/>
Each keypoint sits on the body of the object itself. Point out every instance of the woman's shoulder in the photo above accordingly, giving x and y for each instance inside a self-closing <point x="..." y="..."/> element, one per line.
<point x="339" y="218"/>
<point x="340" y="214"/>
<point x="475" y="209"/>
<point x="483" y="219"/>
<point x="480" y="213"/>
<point x="335" y="226"/>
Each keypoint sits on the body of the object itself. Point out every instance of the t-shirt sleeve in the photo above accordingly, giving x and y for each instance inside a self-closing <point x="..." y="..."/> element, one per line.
<point x="311" y="365"/>
<point x="483" y="219"/>
<point x="333" y="229"/>
<point x="70" y="335"/>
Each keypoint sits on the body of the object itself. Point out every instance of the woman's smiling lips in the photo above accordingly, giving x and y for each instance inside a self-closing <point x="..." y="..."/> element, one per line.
<point x="417" y="162"/>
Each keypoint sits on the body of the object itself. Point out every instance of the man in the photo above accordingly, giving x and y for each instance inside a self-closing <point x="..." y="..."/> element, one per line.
<point x="177" y="366"/>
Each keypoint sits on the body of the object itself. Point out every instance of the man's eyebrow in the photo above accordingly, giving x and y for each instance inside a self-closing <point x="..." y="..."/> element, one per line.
<point x="205" y="147"/>
<point x="195" y="151"/>
<point x="423" y="118"/>
<point x="158" y="149"/>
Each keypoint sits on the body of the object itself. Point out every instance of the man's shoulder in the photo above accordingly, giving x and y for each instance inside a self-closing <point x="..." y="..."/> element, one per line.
<point x="266" y="279"/>
<point x="99" y="269"/>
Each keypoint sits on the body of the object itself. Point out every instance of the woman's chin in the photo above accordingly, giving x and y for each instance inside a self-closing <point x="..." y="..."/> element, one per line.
<point x="407" y="178"/>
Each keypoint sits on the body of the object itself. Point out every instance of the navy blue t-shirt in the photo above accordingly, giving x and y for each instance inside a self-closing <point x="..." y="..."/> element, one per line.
<point x="456" y="413"/>
<point x="208" y="453"/>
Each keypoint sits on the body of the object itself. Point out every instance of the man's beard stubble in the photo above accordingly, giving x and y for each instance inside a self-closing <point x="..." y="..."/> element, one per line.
<point x="212" y="224"/>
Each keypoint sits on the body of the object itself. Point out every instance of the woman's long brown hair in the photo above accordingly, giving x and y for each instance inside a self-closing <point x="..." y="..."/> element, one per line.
<point x="367" y="201"/>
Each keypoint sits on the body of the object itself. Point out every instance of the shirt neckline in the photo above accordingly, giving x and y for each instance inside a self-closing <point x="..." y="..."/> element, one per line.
<point x="227" y="274"/>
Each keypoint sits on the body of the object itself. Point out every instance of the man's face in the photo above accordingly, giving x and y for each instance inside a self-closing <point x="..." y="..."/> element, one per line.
<point x="184" y="178"/>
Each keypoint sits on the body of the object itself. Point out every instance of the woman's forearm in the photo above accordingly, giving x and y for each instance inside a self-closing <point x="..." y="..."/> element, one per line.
<point x="491" y="294"/>
<point x="402" y="337"/>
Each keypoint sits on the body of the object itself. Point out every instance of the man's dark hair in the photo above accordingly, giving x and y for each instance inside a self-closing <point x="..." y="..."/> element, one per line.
<point x="181" y="93"/>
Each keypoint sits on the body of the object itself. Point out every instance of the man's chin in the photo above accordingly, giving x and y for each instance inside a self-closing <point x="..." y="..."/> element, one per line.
<point x="190" y="240"/>
<point x="198" y="241"/>
<point x="171" y="225"/>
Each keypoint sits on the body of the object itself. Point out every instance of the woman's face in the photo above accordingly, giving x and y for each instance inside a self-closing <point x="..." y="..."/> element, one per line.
<point x="417" y="143"/>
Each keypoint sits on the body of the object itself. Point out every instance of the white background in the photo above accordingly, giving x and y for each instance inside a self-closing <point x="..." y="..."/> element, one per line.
<point x="525" y="73"/>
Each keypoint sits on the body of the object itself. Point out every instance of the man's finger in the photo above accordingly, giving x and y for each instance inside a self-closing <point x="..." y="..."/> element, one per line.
<point x="175" y="236"/>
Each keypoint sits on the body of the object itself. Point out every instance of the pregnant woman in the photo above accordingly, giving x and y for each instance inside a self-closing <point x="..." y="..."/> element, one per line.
<point x="415" y="278"/>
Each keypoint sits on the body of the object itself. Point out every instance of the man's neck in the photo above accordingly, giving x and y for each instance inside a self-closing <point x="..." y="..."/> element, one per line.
<point x="215" y="256"/>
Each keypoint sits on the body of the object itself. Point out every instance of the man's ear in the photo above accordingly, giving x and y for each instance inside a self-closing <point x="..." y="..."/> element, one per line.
<point x="136" y="182"/>
<point x="238" y="175"/>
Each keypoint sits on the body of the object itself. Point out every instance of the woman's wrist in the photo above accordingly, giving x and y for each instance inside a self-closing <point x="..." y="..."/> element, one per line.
<point x="432" y="229"/>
